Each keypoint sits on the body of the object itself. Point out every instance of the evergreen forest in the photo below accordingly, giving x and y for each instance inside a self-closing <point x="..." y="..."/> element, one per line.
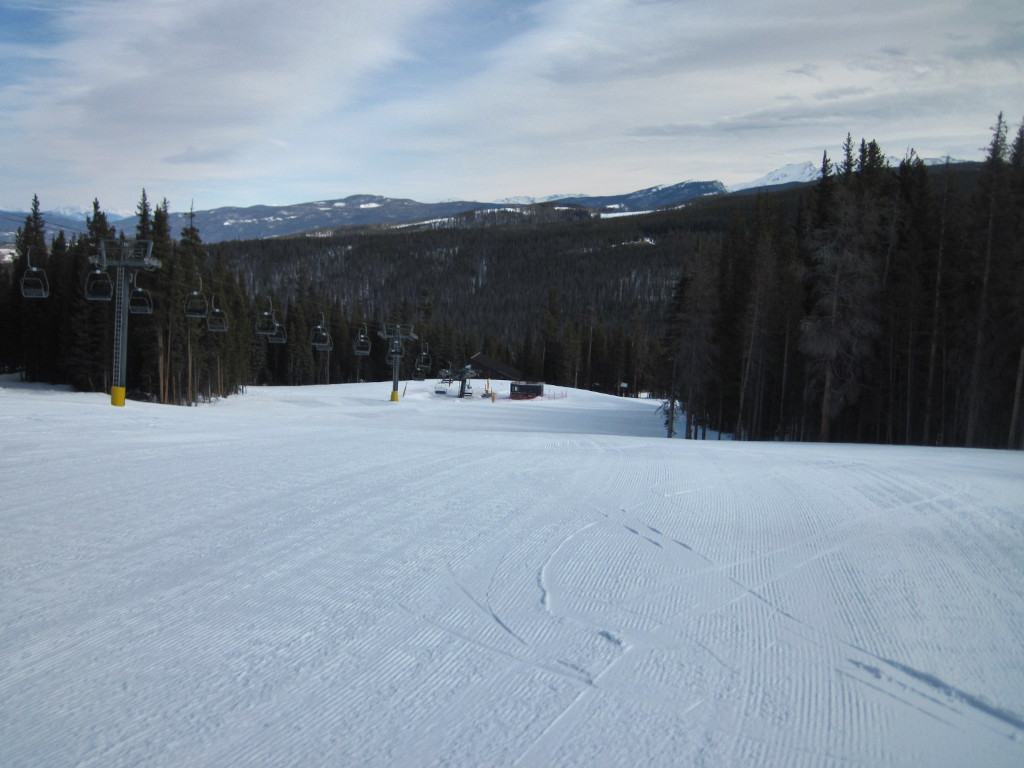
<point x="881" y="304"/>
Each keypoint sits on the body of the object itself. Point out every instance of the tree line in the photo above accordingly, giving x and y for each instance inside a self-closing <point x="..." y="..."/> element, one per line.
<point x="885" y="307"/>
<point x="67" y="339"/>
<point x="880" y="304"/>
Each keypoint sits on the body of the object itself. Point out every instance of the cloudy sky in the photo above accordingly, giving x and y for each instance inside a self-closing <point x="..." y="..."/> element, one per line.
<point x="240" y="102"/>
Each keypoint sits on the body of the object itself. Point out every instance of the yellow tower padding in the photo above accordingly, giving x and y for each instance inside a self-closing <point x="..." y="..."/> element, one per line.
<point x="117" y="396"/>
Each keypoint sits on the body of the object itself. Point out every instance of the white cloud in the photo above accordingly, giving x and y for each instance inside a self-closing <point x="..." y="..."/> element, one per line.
<point x="231" y="102"/>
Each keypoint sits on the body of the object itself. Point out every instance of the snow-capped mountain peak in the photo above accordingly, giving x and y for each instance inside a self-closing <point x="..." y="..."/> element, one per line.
<point x="794" y="173"/>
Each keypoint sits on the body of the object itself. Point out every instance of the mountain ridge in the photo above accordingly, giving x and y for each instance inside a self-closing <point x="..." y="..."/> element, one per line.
<point x="261" y="221"/>
<point x="323" y="216"/>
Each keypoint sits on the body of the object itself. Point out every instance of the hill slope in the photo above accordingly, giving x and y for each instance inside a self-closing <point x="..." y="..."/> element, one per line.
<point x="319" y="576"/>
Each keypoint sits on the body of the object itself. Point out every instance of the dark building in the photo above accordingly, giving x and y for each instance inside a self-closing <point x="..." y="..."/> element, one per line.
<point x="526" y="390"/>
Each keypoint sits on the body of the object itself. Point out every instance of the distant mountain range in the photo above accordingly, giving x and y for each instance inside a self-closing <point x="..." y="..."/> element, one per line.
<point x="260" y="221"/>
<point x="321" y="217"/>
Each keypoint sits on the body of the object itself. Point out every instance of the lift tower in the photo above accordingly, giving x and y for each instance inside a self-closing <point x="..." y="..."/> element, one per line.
<point x="125" y="255"/>
<point x="395" y="334"/>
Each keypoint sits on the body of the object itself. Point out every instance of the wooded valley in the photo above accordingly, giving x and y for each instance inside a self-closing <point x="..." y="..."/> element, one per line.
<point x="880" y="304"/>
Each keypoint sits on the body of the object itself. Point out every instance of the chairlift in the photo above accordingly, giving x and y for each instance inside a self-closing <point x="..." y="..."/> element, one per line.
<point x="423" y="361"/>
<point x="266" y="323"/>
<point x="98" y="285"/>
<point x="279" y="335"/>
<point x="320" y="337"/>
<point x="216" y="319"/>
<point x="362" y="345"/>
<point x="34" y="284"/>
<point x="140" y="302"/>
<point x="195" y="304"/>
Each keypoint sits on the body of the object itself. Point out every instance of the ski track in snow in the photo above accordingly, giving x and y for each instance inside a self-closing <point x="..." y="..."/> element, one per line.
<point x="319" y="576"/>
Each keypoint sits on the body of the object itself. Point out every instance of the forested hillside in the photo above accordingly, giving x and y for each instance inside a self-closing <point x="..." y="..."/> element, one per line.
<point x="880" y="304"/>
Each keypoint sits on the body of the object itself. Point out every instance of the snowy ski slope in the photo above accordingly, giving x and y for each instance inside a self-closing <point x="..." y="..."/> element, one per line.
<point x="320" y="577"/>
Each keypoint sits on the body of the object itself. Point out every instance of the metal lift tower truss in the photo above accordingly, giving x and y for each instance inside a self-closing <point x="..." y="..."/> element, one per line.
<point x="125" y="255"/>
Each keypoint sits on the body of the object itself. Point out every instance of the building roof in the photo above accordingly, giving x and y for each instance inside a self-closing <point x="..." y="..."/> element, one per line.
<point x="494" y="369"/>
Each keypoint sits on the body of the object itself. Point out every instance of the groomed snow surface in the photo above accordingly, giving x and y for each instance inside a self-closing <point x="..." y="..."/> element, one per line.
<point x="319" y="576"/>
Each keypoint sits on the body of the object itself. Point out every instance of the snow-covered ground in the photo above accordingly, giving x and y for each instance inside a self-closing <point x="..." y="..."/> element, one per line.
<point x="321" y="577"/>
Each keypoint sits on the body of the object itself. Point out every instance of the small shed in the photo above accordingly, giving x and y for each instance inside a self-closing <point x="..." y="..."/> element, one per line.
<point x="526" y="390"/>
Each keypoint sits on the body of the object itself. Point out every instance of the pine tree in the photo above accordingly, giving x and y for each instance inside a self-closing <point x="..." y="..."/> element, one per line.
<point x="90" y="333"/>
<point x="33" y="233"/>
<point x="758" y="318"/>
<point x="993" y="188"/>
<point x="193" y="256"/>
<point x="144" y="228"/>
<point x="689" y="335"/>
<point x="10" y="320"/>
<point x="824" y="194"/>
<point x="64" y="293"/>
<point x="30" y="244"/>
<point x="167" y="320"/>
<point x="1016" y="318"/>
<point x="848" y="166"/>
<point x="837" y="334"/>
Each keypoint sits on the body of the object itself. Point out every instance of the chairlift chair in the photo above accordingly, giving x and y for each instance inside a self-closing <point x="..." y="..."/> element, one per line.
<point x="99" y="286"/>
<point x="266" y="323"/>
<point x="216" y="319"/>
<point x="195" y="304"/>
<point x="423" y="361"/>
<point x="320" y="337"/>
<point x="279" y="335"/>
<point x="34" y="284"/>
<point x="140" y="302"/>
<point x="362" y="344"/>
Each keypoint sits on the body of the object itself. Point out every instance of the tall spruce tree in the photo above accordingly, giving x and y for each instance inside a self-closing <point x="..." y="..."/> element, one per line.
<point x="689" y="337"/>
<point x="30" y="244"/>
<point x="91" y="329"/>
<point x="193" y="256"/>
<point x="992" y="190"/>
<point x="837" y="334"/>
<point x="1015" y="436"/>
<point x="144" y="227"/>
